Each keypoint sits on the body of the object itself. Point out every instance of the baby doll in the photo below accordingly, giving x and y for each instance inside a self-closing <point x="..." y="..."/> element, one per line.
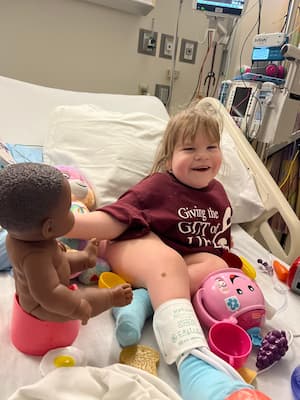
<point x="130" y="320"/>
<point x="35" y="210"/>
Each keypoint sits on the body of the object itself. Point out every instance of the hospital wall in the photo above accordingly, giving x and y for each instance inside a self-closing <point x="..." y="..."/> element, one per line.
<point x="73" y="44"/>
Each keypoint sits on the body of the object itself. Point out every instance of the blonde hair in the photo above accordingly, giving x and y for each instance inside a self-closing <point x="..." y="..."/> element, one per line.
<point x="199" y="117"/>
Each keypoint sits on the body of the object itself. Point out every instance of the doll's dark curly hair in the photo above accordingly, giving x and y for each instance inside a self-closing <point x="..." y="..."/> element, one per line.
<point x="28" y="194"/>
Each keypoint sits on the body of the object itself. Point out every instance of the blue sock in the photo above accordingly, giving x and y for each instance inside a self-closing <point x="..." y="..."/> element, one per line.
<point x="130" y="319"/>
<point x="4" y="261"/>
<point x="199" y="380"/>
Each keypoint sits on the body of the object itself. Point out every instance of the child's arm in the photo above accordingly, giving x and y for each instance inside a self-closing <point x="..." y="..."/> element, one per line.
<point x="46" y="289"/>
<point x="96" y="224"/>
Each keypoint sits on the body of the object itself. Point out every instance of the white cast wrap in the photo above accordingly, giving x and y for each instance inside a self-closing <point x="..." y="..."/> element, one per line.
<point x="177" y="329"/>
<point x="178" y="334"/>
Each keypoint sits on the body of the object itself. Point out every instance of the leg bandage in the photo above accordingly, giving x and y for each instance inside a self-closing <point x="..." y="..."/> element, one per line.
<point x="178" y="334"/>
<point x="177" y="329"/>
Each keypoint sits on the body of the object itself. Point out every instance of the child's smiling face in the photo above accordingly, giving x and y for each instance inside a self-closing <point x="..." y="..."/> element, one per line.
<point x="196" y="162"/>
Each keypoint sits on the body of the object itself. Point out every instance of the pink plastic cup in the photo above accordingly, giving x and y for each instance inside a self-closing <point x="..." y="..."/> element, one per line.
<point x="230" y="342"/>
<point x="35" y="337"/>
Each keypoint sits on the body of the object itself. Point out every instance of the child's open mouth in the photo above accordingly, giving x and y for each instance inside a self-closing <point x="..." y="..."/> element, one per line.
<point x="201" y="169"/>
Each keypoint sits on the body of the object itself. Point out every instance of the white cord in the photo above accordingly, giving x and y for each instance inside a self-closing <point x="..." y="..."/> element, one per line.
<point x="212" y="359"/>
<point x="278" y="286"/>
<point x="175" y="45"/>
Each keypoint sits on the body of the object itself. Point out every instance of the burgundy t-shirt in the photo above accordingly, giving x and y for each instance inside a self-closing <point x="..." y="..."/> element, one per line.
<point x="188" y="220"/>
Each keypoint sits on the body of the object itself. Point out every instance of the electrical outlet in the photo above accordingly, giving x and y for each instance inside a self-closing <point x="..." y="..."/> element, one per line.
<point x="166" y="46"/>
<point x="143" y="88"/>
<point x="188" y="50"/>
<point x="147" y="42"/>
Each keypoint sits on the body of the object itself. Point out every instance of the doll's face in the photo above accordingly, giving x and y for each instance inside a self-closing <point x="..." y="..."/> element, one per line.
<point x="62" y="219"/>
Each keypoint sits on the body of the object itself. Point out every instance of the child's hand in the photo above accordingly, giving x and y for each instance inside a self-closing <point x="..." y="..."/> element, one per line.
<point x="83" y="312"/>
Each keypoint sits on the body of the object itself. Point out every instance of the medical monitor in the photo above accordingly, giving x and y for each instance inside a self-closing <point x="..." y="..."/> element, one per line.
<point x="234" y="8"/>
<point x="240" y="101"/>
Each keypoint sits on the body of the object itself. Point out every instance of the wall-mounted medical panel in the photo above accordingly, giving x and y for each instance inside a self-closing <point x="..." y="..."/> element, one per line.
<point x="188" y="51"/>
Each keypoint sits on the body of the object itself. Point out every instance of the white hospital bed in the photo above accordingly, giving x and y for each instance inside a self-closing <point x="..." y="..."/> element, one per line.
<point x="26" y="114"/>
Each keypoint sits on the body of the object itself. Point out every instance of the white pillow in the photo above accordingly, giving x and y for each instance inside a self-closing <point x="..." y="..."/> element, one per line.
<point x="238" y="183"/>
<point x="116" y="150"/>
<point x="113" y="150"/>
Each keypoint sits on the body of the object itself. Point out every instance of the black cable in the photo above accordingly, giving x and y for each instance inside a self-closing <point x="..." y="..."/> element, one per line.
<point x="259" y="15"/>
<point x="211" y="76"/>
<point x="198" y="86"/>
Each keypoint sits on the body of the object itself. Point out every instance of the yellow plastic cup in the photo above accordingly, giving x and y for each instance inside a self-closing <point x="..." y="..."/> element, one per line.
<point x="109" y="280"/>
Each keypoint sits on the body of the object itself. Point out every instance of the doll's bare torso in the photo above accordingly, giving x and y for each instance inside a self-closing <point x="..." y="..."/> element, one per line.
<point x="32" y="282"/>
<point x="42" y="271"/>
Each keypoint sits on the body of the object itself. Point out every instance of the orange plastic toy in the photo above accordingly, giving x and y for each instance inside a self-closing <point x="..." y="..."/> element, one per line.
<point x="281" y="271"/>
<point x="248" y="394"/>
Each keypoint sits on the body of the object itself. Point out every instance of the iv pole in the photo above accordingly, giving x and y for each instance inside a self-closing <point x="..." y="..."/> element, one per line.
<point x="290" y="23"/>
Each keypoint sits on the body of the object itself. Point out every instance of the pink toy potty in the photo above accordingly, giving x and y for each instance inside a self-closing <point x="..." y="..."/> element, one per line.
<point x="35" y="337"/>
<point x="230" y="342"/>
<point x="230" y="295"/>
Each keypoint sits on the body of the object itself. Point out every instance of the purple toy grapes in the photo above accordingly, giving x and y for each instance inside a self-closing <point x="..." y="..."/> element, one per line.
<point x="273" y="347"/>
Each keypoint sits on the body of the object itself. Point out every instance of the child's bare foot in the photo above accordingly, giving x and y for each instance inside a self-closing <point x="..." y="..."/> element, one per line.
<point x="91" y="250"/>
<point x="122" y="295"/>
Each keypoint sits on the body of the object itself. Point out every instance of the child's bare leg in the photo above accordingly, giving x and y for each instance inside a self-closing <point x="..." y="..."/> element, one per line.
<point x="104" y="299"/>
<point x="84" y="259"/>
<point x="130" y="320"/>
<point x="148" y="262"/>
<point x="200" y="265"/>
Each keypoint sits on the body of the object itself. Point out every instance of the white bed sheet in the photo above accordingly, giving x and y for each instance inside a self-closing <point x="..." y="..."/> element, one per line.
<point x="99" y="344"/>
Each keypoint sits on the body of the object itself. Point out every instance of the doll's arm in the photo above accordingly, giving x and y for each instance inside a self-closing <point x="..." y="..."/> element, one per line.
<point x="46" y="289"/>
<point x="81" y="260"/>
<point x="96" y="224"/>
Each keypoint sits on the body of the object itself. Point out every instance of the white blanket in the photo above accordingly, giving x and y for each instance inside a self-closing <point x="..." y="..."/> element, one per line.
<point x="90" y="383"/>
